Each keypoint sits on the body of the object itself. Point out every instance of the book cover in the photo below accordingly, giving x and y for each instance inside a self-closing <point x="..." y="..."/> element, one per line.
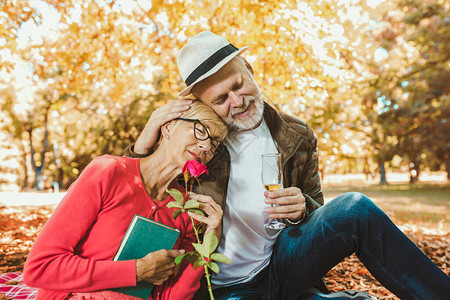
<point x="142" y="237"/>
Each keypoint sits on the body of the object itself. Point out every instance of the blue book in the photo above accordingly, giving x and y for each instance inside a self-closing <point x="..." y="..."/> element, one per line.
<point x="142" y="237"/>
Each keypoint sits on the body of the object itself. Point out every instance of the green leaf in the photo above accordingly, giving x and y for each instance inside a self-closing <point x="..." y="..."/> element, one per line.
<point x="191" y="204"/>
<point x="193" y="257"/>
<point x="173" y="204"/>
<point x="210" y="242"/>
<point x="213" y="266"/>
<point x="200" y="227"/>
<point x="176" y="213"/>
<point x="197" y="211"/>
<point x="179" y="258"/>
<point x="199" y="263"/>
<point x="220" y="258"/>
<point x="201" y="249"/>
<point x="177" y="195"/>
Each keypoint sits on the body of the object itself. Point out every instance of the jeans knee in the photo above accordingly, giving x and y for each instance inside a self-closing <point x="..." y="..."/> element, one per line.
<point x="357" y="204"/>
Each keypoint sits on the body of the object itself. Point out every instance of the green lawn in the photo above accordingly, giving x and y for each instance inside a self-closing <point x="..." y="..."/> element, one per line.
<point x="423" y="204"/>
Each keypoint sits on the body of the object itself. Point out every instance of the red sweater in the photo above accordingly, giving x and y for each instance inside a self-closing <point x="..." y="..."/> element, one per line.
<point x="74" y="251"/>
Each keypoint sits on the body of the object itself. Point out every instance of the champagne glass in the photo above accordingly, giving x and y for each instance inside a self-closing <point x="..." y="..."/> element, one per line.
<point x="272" y="179"/>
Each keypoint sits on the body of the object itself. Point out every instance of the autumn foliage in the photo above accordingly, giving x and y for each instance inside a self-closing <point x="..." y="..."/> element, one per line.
<point x="79" y="79"/>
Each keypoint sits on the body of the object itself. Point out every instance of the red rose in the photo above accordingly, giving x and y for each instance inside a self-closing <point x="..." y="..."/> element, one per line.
<point x="195" y="168"/>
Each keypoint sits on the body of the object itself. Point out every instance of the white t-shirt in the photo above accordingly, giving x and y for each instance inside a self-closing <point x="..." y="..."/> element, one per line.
<point x="244" y="239"/>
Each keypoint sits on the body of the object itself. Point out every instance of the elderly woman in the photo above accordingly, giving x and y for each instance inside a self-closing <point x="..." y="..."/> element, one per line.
<point x="73" y="255"/>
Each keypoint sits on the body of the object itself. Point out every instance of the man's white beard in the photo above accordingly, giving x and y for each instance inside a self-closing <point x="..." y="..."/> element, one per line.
<point x="252" y="120"/>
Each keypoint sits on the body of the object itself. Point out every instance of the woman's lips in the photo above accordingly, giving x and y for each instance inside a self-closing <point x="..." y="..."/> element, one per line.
<point x="196" y="157"/>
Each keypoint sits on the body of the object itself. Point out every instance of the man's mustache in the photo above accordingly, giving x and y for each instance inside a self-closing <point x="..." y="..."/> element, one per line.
<point x="247" y="101"/>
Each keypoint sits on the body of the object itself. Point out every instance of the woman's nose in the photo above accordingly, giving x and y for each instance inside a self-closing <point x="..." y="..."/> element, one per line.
<point x="204" y="145"/>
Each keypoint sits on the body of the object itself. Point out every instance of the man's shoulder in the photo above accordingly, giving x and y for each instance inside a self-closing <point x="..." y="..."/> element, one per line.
<point x="298" y="125"/>
<point x="271" y="113"/>
<point x="287" y="125"/>
<point x="293" y="121"/>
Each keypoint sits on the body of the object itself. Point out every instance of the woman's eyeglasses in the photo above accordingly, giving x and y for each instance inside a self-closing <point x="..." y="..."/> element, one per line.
<point x="201" y="133"/>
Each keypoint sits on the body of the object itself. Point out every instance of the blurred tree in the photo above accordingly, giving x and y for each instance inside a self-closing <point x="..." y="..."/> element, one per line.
<point x="428" y="82"/>
<point x="15" y="130"/>
<point x="106" y="65"/>
<point x="407" y="102"/>
<point x="422" y="83"/>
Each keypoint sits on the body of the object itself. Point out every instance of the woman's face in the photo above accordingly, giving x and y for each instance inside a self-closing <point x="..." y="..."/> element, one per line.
<point x="184" y="145"/>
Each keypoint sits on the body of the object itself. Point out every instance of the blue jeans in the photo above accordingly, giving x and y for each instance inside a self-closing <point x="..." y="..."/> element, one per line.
<point x="349" y="224"/>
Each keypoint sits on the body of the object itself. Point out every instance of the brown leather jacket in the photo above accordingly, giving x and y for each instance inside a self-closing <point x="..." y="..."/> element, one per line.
<point x="298" y="146"/>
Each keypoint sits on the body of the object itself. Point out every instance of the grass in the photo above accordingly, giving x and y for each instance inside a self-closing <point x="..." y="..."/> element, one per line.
<point x="423" y="204"/>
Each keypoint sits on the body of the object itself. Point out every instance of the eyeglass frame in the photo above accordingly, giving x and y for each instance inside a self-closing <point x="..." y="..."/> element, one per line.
<point x="208" y="136"/>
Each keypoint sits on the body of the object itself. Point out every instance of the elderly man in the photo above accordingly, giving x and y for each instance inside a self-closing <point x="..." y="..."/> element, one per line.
<point x="282" y="264"/>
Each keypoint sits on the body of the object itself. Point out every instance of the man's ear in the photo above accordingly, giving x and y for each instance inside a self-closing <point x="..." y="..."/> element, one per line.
<point x="249" y="67"/>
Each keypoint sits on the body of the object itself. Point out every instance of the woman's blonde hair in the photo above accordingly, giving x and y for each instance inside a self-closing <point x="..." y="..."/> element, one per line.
<point x="207" y="116"/>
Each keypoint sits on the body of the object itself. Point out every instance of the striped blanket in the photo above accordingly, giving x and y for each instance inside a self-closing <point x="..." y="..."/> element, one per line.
<point x="12" y="286"/>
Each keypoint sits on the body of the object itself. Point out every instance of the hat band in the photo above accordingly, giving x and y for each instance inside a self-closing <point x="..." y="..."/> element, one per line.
<point x="210" y="63"/>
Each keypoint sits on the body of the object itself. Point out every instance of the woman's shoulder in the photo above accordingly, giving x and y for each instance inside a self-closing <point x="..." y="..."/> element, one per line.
<point x="110" y="163"/>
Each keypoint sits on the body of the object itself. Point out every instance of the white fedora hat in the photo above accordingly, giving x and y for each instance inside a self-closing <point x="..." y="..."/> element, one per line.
<point x="203" y="56"/>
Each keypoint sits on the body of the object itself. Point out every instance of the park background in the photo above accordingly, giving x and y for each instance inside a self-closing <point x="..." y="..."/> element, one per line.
<point x="79" y="79"/>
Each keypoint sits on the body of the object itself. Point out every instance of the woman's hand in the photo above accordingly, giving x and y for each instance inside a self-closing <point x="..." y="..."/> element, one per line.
<point x="148" y="137"/>
<point x="156" y="267"/>
<point x="214" y="212"/>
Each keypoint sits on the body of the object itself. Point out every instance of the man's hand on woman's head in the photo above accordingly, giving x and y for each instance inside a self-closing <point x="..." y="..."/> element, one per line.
<point x="214" y="212"/>
<point x="160" y="116"/>
<point x="292" y="205"/>
<point x="156" y="267"/>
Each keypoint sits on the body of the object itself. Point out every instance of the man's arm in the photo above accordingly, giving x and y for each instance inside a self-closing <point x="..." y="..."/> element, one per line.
<point x="150" y="134"/>
<point x="311" y="186"/>
<point x="129" y="152"/>
<point x="305" y="193"/>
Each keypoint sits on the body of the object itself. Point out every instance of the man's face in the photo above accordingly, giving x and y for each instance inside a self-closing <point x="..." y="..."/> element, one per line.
<point x="234" y="96"/>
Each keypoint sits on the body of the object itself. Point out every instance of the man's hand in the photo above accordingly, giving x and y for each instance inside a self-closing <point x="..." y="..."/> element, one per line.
<point x="291" y="203"/>
<point x="156" y="267"/>
<point x="214" y="212"/>
<point x="148" y="137"/>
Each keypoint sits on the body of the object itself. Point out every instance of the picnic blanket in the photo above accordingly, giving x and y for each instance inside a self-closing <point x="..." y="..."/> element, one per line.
<point x="12" y="286"/>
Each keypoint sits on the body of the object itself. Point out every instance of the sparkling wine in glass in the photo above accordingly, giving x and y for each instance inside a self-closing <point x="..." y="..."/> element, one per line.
<point x="272" y="179"/>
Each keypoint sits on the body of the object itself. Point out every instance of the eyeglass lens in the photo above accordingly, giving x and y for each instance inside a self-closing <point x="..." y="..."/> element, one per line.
<point x="201" y="133"/>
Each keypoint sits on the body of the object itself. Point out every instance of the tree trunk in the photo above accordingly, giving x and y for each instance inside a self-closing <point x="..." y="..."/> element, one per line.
<point x="366" y="169"/>
<point x="24" y="166"/>
<point x="414" y="173"/>
<point x="38" y="170"/>
<point x="382" y="172"/>
<point x="38" y="179"/>
<point x="447" y="168"/>
<point x="58" y="164"/>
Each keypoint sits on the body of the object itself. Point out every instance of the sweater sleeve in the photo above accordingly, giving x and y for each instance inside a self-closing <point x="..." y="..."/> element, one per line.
<point x="52" y="263"/>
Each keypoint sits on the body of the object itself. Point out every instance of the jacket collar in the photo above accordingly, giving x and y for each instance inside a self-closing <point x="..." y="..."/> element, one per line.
<point x="285" y="135"/>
